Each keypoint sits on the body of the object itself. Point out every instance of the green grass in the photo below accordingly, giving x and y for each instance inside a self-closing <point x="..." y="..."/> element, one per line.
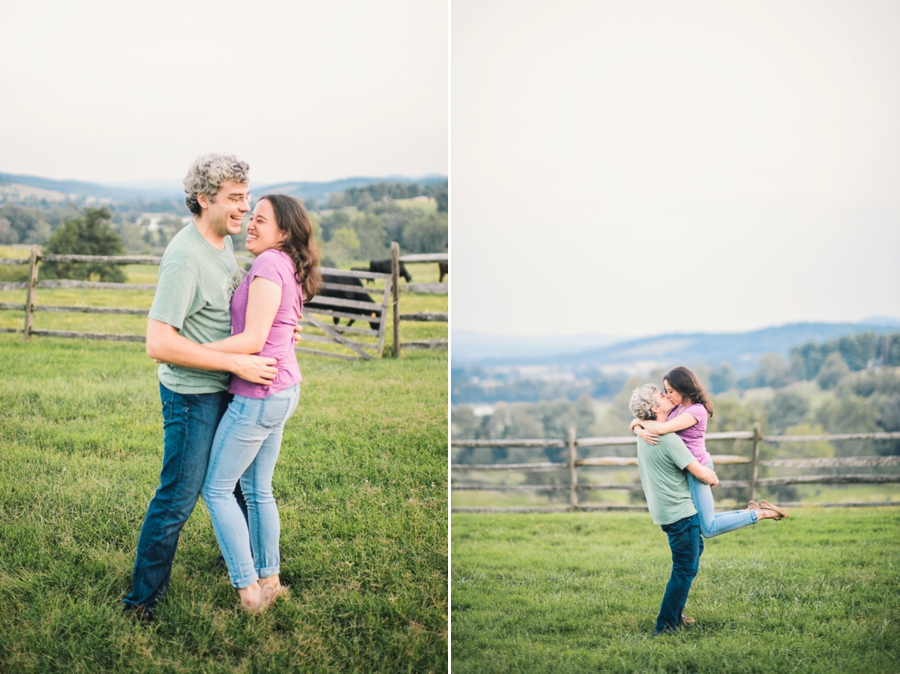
<point x="818" y="592"/>
<point x="362" y="489"/>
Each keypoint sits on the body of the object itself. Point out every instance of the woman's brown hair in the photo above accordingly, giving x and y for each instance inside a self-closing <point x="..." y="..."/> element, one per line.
<point x="686" y="383"/>
<point x="300" y="243"/>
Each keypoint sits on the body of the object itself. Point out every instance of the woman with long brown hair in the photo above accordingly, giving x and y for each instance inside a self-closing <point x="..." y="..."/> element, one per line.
<point x="265" y="309"/>
<point x="693" y="408"/>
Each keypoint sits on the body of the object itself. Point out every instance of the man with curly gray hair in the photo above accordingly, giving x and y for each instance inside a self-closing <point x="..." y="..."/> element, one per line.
<point x="208" y="174"/>
<point x="192" y="307"/>
<point x="662" y="468"/>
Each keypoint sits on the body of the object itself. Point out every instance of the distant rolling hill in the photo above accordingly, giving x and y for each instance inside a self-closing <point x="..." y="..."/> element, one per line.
<point x="320" y="191"/>
<point x="79" y="188"/>
<point x="741" y="350"/>
<point x="153" y="190"/>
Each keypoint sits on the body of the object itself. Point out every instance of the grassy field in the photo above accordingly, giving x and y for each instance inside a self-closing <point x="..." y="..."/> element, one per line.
<point x="362" y="488"/>
<point x="818" y="592"/>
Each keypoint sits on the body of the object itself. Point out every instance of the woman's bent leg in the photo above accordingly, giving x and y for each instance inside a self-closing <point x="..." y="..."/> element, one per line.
<point x="711" y="523"/>
<point x="702" y="496"/>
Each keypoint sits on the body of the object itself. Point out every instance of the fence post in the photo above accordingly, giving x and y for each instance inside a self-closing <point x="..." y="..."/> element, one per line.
<point x="757" y="434"/>
<point x="32" y="287"/>
<point x="573" y="471"/>
<point x="395" y="272"/>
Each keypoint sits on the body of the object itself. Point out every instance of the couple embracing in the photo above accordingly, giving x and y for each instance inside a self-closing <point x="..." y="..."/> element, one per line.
<point x="228" y="378"/>
<point x="677" y="477"/>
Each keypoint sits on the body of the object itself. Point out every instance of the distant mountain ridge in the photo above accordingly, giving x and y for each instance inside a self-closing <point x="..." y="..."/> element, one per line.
<point x="159" y="189"/>
<point x="741" y="350"/>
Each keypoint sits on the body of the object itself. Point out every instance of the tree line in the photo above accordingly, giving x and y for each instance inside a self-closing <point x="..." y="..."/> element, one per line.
<point x="357" y="224"/>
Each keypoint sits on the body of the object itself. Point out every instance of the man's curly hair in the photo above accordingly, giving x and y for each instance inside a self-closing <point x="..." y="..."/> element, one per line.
<point x="641" y="402"/>
<point x="208" y="173"/>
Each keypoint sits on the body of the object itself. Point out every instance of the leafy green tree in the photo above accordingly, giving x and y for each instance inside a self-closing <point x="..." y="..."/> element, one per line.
<point x="336" y="200"/>
<point x="817" y="449"/>
<point x="832" y="371"/>
<point x="442" y="198"/>
<point x="773" y="371"/>
<point x="91" y="234"/>
<point x="27" y="225"/>
<point x="849" y="414"/>
<point x="731" y="415"/>
<point x="786" y="409"/>
<point x="464" y="425"/>
<point x="426" y="234"/>
<point x="338" y="219"/>
<point x="889" y="414"/>
<point x="722" y="379"/>
<point x="7" y="235"/>
<point x="373" y="241"/>
<point x="344" y="244"/>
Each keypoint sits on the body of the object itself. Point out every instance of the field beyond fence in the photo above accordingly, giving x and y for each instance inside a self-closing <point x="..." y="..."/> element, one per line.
<point x="346" y="298"/>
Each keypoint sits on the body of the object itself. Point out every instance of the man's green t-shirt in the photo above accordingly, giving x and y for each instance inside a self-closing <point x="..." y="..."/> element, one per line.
<point x="193" y="295"/>
<point x="664" y="480"/>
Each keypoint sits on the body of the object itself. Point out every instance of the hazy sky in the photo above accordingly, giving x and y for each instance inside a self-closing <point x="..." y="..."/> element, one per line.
<point x="315" y="90"/>
<point x="631" y="168"/>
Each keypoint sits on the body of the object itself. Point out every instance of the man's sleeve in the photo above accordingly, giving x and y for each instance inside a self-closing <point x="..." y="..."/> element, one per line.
<point x="678" y="452"/>
<point x="177" y="293"/>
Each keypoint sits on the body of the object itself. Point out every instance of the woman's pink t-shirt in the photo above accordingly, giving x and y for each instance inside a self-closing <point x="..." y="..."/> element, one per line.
<point x="276" y="266"/>
<point x="694" y="437"/>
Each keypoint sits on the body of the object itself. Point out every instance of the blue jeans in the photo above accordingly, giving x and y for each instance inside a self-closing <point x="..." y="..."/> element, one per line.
<point x="189" y="423"/>
<point x="687" y="546"/>
<point x="712" y="523"/>
<point x="246" y="448"/>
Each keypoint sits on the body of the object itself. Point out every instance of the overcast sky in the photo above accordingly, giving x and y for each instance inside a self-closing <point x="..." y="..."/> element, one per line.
<point x="105" y="91"/>
<point x="632" y="168"/>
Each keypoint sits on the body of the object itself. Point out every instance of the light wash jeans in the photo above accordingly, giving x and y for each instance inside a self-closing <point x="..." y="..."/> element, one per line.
<point x="246" y="448"/>
<point x="711" y="522"/>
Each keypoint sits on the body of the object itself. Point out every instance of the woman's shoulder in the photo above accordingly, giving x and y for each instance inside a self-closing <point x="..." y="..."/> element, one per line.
<point x="698" y="411"/>
<point x="274" y="259"/>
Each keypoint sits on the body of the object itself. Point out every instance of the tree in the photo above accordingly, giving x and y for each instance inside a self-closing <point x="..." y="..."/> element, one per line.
<point x="786" y="409"/>
<point x="722" y="379"/>
<point x="334" y="221"/>
<point x="91" y="234"/>
<point x="816" y="449"/>
<point x="344" y="244"/>
<point x="426" y="234"/>
<point x="850" y="414"/>
<point x="7" y="235"/>
<point x="442" y="198"/>
<point x="373" y="241"/>
<point x="832" y="371"/>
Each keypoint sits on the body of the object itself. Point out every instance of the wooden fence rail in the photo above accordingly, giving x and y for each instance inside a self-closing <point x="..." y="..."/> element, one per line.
<point x="331" y="307"/>
<point x="573" y="464"/>
<point x="422" y="288"/>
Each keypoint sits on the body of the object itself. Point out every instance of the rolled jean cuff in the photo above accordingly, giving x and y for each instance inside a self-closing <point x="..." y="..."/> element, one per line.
<point x="269" y="572"/>
<point x="241" y="583"/>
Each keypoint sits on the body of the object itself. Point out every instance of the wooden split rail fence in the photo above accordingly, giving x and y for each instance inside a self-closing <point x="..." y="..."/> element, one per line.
<point x="329" y="308"/>
<point x="573" y="464"/>
<point x="425" y="288"/>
